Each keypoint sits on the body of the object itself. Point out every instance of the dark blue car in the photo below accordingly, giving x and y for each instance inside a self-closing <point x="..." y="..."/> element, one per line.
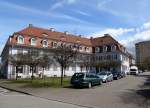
<point x="85" y="80"/>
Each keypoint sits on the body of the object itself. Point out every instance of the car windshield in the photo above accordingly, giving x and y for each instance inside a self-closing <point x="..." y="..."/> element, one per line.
<point x="114" y="72"/>
<point x="132" y="69"/>
<point x="79" y="75"/>
<point x="102" y="73"/>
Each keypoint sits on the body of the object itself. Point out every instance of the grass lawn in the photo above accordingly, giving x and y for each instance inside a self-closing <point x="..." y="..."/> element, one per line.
<point x="46" y="82"/>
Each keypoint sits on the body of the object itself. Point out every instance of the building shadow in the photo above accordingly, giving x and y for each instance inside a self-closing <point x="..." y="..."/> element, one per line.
<point x="139" y="97"/>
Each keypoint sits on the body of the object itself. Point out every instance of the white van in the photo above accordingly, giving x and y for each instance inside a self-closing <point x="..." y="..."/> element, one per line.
<point x="134" y="70"/>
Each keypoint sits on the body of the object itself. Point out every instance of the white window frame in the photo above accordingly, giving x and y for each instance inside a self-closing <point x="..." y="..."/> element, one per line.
<point x="45" y="45"/>
<point x="18" y="39"/>
<point x="113" y="47"/>
<point x="32" y="42"/>
<point x="105" y="48"/>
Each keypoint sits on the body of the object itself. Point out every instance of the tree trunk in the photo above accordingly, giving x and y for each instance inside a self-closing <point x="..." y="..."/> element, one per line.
<point x="62" y="69"/>
<point x="43" y="73"/>
<point x="86" y="69"/>
<point x="16" y="72"/>
<point x="32" y="70"/>
<point x="81" y="68"/>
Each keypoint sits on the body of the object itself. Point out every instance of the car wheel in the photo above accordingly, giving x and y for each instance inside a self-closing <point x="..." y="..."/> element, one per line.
<point x="100" y="82"/>
<point x="89" y="85"/>
<point x="106" y="80"/>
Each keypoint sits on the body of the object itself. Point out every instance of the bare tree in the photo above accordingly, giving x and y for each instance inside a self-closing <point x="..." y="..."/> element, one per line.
<point x="31" y="60"/>
<point x="85" y="63"/>
<point x="64" y="56"/>
<point x="44" y="61"/>
<point x="17" y="60"/>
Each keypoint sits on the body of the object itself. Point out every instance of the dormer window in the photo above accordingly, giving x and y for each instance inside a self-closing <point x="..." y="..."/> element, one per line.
<point x="80" y="48"/>
<point x="45" y="43"/>
<point x="54" y="44"/>
<point x="33" y="41"/>
<point x="108" y="48"/>
<point x="113" y="47"/>
<point x="105" y="48"/>
<point x="86" y="49"/>
<point x="20" y="39"/>
<point x="45" y="35"/>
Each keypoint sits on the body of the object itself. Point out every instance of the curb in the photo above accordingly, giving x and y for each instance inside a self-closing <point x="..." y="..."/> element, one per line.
<point x="15" y="90"/>
<point x="55" y="100"/>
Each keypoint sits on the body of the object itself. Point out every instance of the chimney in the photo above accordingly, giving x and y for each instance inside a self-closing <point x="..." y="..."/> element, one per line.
<point x="80" y="35"/>
<point x="66" y="32"/>
<point x="91" y="38"/>
<point x="107" y="35"/>
<point x="30" y="25"/>
<point x="52" y="29"/>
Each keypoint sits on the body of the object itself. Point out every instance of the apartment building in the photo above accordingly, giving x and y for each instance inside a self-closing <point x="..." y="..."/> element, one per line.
<point x="42" y="40"/>
<point x="142" y="51"/>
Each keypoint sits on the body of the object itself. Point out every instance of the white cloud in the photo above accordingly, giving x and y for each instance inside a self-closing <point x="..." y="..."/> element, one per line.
<point x="40" y="12"/>
<point x="113" y="32"/>
<point x="144" y="26"/>
<point x="132" y="40"/>
<point x="62" y="3"/>
<point x="141" y="36"/>
<point x="57" y="5"/>
<point x="83" y="13"/>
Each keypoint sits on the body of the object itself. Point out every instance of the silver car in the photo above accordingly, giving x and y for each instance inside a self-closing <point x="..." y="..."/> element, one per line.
<point x="105" y="76"/>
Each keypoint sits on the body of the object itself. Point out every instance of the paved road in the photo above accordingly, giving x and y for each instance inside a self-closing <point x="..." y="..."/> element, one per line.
<point x="9" y="99"/>
<point x="123" y="93"/>
<point x="117" y="94"/>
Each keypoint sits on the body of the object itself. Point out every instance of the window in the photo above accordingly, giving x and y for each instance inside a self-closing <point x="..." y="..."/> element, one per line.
<point x="108" y="57"/>
<point x="80" y="47"/>
<point x="87" y="49"/>
<point x="67" y="68"/>
<point x="73" y="68"/>
<point x="105" y="48"/>
<point x="54" y="44"/>
<point x="33" y="41"/>
<point x="97" y="49"/>
<point x="45" y="43"/>
<point x="115" y="57"/>
<point x="54" y="68"/>
<point x="100" y="49"/>
<point x="108" y="48"/>
<point x="113" y="47"/>
<point x="100" y="58"/>
<point x="20" y="39"/>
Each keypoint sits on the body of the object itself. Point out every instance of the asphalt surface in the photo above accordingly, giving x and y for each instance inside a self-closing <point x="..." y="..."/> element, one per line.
<point x="128" y="92"/>
<point x="9" y="99"/>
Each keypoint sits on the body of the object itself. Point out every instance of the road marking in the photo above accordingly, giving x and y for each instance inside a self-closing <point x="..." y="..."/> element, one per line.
<point x="4" y="92"/>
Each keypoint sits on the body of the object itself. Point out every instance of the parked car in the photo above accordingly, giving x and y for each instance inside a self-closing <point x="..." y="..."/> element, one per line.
<point x="123" y="74"/>
<point x="116" y="75"/>
<point x="85" y="80"/>
<point x="105" y="76"/>
<point x="140" y="71"/>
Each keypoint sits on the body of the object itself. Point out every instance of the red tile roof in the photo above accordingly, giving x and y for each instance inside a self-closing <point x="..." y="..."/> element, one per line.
<point x="60" y="36"/>
<point x="38" y="32"/>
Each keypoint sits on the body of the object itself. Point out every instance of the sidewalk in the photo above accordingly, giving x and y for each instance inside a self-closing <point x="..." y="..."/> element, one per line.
<point x="54" y="94"/>
<point x="108" y="95"/>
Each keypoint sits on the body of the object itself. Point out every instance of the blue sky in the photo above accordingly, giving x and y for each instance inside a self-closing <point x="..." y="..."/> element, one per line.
<point x="128" y="21"/>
